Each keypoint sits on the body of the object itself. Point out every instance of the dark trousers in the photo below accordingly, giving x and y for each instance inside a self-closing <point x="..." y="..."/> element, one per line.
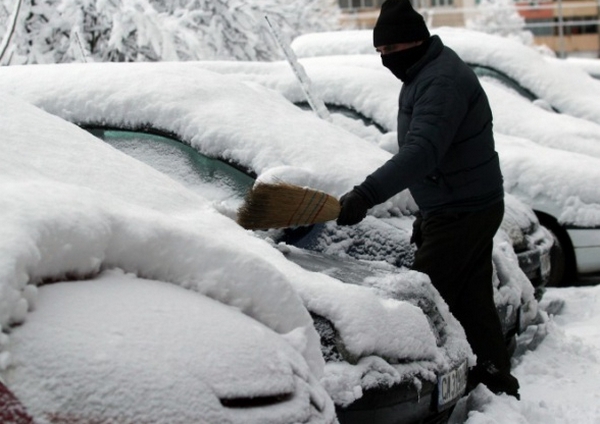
<point x="455" y="251"/>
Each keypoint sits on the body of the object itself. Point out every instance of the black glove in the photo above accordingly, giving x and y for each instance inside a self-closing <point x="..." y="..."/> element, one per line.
<point x="354" y="208"/>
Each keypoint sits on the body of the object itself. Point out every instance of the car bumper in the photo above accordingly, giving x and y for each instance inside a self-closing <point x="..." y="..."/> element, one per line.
<point x="403" y="403"/>
<point x="535" y="263"/>
<point x="586" y="244"/>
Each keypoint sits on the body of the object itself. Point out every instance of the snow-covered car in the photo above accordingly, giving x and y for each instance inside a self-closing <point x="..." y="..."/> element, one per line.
<point x="11" y="408"/>
<point x="91" y="329"/>
<point x="359" y="86"/>
<point x="76" y="209"/>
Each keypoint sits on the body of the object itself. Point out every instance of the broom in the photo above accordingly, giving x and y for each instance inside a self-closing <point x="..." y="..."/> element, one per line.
<point x="283" y="205"/>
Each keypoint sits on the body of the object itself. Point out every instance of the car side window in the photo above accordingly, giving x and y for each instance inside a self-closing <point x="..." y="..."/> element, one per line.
<point x="212" y="177"/>
<point x="348" y="113"/>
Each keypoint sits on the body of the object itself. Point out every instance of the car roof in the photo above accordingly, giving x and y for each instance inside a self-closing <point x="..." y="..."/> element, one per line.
<point x="215" y="114"/>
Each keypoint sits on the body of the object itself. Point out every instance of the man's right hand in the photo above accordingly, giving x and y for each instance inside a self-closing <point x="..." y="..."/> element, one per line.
<point x="353" y="208"/>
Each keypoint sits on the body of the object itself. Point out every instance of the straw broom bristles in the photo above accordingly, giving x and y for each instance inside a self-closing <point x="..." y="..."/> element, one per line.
<point x="283" y="205"/>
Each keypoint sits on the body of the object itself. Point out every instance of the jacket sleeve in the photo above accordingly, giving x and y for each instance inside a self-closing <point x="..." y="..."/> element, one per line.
<point x="437" y="114"/>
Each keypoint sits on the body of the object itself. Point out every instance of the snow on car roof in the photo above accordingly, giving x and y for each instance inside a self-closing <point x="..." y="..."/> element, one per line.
<point x="194" y="103"/>
<point x="340" y="81"/>
<point x="515" y="115"/>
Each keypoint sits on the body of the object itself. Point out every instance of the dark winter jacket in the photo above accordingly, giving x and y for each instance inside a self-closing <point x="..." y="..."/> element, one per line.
<point x="446" y="154"/>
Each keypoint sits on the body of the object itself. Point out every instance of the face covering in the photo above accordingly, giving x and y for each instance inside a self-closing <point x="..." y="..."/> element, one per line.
<point x="399" y="62"/>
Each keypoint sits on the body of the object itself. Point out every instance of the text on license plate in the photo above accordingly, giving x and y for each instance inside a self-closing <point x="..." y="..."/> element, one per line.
<point x="452" y="385"/>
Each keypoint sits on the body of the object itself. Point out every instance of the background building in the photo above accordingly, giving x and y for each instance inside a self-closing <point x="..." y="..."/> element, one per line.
<point x="569" y="27"/>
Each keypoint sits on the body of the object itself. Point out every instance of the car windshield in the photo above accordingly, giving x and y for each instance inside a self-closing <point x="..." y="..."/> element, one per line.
<point x="213" y="178"/>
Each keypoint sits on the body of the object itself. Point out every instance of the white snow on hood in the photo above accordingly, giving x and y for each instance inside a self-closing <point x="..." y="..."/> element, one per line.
<point x="118" y="348"/>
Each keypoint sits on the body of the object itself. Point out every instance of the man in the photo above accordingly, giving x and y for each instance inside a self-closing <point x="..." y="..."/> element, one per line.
<point x="447" y="160"/>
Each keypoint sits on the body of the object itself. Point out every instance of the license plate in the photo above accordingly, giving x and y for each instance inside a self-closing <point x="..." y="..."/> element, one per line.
<point x="452" y="385"/>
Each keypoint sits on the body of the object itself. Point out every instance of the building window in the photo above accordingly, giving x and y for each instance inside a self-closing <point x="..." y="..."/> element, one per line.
<point x="441" y="3"/>
<point x="359" y="4"/>
<point x="540" y="27"/>
<point x="581" y="25"/>
<point x="571" y="26"/>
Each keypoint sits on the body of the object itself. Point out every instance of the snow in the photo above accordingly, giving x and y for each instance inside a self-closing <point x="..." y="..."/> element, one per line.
<point x="192" y="103"/>
<point x="525" y="167"/>
<point x="140" y="30"/>
<point x="559" y="376"/>
<point x="68" y="211"/>
<point x="75" y="209"/>
<point x="591" y="66"/>
<point x="566" y="87"/>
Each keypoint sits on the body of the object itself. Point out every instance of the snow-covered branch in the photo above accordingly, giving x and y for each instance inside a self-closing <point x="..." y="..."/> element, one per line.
<point x="154" y="30"/>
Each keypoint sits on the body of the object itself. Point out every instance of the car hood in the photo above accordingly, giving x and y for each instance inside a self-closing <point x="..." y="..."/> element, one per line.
<point x="130" y="350"/>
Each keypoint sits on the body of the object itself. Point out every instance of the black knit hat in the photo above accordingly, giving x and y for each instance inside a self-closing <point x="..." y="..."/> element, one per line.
<point x="398" y="22"/>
